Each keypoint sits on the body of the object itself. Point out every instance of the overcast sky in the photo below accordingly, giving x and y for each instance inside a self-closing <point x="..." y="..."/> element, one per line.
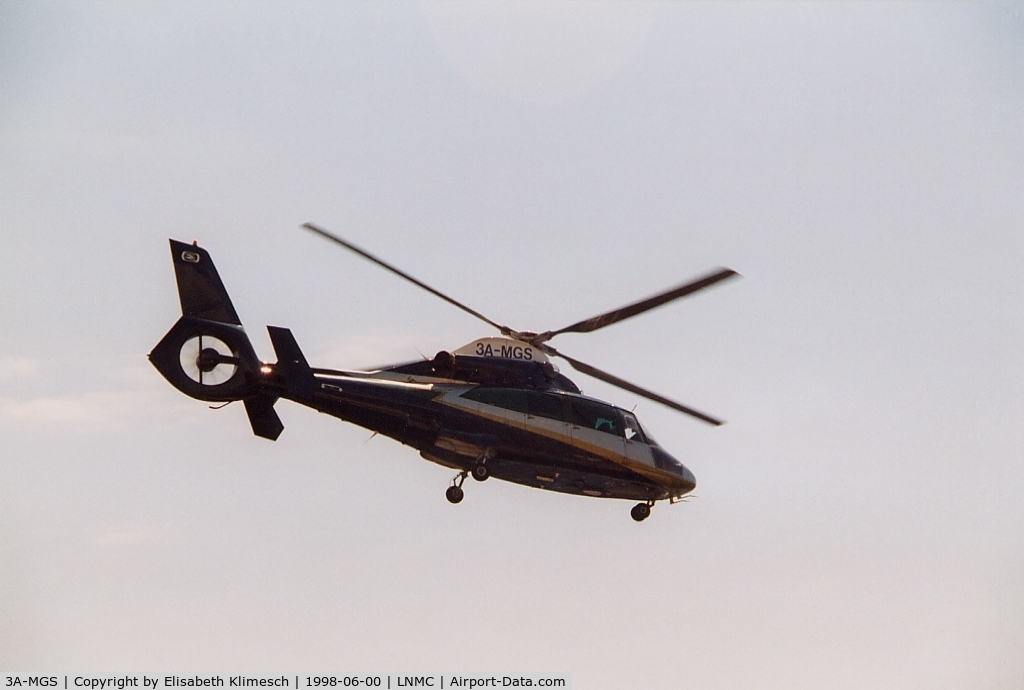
<point x="858" y="520"/>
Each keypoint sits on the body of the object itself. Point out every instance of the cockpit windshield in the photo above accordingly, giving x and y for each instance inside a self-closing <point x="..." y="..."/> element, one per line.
<point x="650" y="439"/>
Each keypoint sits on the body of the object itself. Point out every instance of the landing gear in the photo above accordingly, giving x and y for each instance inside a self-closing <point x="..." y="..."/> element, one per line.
<point x="455" y="494"/>
<point x="641" y="511"/>
<point x="481" y="471"/>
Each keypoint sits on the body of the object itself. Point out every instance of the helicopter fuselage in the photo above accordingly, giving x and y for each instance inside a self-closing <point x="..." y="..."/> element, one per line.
<point x="548" y="439"/>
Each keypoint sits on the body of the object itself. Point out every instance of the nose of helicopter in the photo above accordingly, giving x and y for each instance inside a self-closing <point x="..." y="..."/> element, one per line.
<point x="684" y="479"/>
<point x="688" y="478"/>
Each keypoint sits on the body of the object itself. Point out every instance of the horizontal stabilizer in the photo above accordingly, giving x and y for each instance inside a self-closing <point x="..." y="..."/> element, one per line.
<point x="263" y="417"/>
<point x="291" y="363"/>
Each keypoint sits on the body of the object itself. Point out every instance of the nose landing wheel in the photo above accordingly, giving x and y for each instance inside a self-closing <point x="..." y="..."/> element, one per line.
<point x="641" y="511"/>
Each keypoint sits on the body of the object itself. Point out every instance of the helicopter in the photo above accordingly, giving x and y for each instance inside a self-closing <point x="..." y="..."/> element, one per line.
<point x="496" y="407"/>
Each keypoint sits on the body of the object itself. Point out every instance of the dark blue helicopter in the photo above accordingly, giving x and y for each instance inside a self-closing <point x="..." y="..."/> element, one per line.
<point x="496" y="407"/>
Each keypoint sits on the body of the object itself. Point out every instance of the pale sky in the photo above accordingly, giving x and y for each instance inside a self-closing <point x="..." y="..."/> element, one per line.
<point x="858" y="520"/>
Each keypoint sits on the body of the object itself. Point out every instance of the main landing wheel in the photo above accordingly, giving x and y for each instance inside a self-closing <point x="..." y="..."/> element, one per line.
<point x="481" y="472"/>
<point x="454" y="494"/>
<point x="640" y="512"/>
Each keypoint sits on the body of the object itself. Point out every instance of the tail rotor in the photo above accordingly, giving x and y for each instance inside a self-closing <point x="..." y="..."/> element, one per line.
<point x="208" y="360"/>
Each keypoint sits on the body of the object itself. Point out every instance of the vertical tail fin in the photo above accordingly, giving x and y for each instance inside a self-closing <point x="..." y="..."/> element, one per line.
<point x="291" y="363"/>
<point x="262" y="416"/>
<point x="200" y="289"/>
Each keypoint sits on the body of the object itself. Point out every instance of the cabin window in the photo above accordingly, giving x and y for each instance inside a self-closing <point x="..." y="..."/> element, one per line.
<point x="588" y="414"/>
<point x="547" y="405"/>
<point x="594" y="415"/>
<point x="508" y="398"/>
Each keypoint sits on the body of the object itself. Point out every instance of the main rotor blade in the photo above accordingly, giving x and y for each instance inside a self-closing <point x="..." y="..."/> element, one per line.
<point x="623" y="313"/>
<point x="632" y="387"/>
<point x="383" y="264"/>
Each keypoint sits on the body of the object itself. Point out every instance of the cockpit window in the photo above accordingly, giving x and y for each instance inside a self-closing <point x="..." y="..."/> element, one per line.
<point x="593" y="415"/>
<point x="632" y="429"/>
